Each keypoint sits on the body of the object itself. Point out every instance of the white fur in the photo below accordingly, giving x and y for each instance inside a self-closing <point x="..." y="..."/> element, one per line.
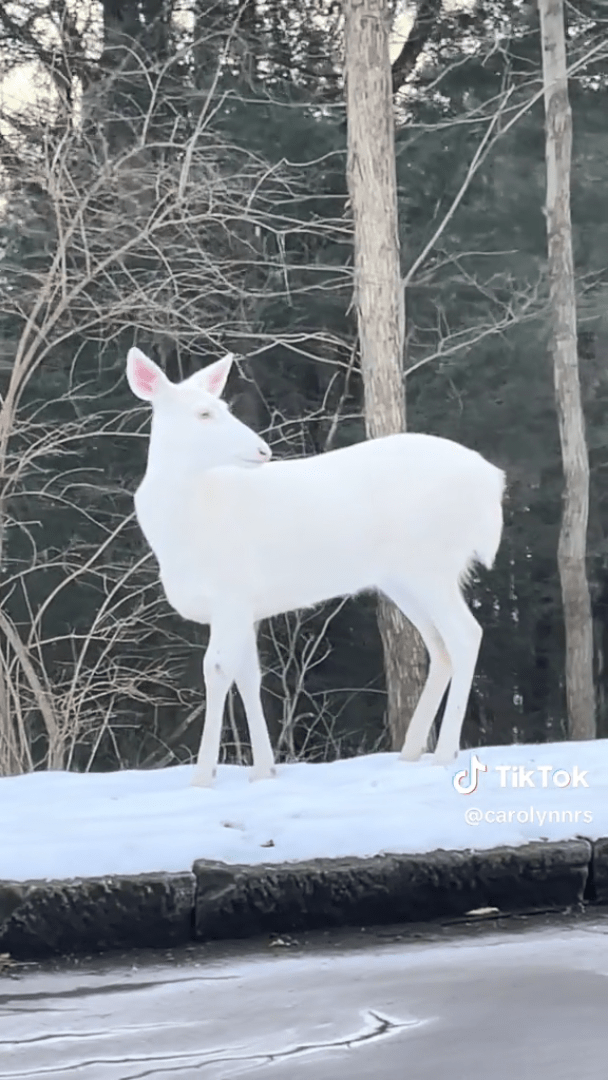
<point x="408" y="515"/>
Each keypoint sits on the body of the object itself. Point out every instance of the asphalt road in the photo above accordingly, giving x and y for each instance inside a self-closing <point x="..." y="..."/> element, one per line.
<point x="519" y="1000"/>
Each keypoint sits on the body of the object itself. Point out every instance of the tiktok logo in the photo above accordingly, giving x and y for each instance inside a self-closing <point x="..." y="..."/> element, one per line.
<point x="473" y="772"/>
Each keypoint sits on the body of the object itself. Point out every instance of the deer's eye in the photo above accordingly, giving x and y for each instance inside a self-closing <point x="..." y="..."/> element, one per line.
<point x="204" y="415"/>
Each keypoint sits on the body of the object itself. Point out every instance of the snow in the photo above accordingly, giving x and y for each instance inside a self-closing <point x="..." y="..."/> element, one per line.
<point x="60" y="825"/>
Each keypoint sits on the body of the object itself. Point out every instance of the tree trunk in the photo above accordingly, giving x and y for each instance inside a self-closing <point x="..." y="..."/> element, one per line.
<point x="573" y="535"/>
<point x="372" y="184"/>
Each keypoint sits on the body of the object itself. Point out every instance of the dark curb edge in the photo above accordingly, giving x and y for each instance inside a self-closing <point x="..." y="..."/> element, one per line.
<point x="49" y="918"/>
<point x="216" y="901"/>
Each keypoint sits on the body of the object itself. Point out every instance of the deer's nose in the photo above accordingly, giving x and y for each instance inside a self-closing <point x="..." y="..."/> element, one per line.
<point x="264" y="452"/>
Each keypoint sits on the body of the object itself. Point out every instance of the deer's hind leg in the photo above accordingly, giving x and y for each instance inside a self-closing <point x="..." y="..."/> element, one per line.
<point x="462" y="636"/>
<point x="439" y="674"/>
<point x="453" y="636"/>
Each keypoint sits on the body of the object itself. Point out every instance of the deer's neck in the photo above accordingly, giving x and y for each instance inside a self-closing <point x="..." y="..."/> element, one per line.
<point x="170" y="465"/>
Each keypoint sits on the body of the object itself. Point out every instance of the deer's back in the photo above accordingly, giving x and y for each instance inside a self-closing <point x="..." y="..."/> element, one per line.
<point x="293" y="533"/>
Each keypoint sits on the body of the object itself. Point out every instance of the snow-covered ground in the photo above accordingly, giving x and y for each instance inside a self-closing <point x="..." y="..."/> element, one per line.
<point x="62" y="825"/>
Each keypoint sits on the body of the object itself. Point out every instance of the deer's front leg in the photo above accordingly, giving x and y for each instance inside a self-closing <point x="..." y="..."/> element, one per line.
<point x="249" y="681"/>
<point x="223" y="658"/>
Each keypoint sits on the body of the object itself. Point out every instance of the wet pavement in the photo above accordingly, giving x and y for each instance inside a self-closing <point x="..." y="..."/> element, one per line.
<point x="517" y="999"/>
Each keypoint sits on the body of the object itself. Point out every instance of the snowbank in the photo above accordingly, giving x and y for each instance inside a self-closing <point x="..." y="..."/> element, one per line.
<point x="64" y="825"/>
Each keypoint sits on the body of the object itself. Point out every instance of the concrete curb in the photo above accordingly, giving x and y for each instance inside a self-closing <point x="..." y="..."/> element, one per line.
<point x="48" y="918"/>
<point x="217" y="901"/>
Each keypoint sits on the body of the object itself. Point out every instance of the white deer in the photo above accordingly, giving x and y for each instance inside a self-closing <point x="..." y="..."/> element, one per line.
<point x="238" y="540"/>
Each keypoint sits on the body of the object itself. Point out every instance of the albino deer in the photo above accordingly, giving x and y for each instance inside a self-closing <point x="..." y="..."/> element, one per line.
<point x="238" y="540"/>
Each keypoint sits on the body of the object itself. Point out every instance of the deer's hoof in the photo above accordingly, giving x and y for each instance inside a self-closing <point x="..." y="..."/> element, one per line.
<point x="203" y="780"/>
<point x="411" y="753"/>
<point x="262" y="772"/>
<point x="445" y="757"/>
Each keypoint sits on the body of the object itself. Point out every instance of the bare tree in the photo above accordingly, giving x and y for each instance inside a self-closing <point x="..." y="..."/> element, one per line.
<point x="167" y="233"/>
<point x="573" y="535"/>
<point x="372" y="186"/>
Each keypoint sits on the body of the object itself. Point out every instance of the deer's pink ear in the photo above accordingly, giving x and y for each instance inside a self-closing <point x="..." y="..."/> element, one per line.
<point x="144" y="376"/>
<point x="213" y="378"/>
